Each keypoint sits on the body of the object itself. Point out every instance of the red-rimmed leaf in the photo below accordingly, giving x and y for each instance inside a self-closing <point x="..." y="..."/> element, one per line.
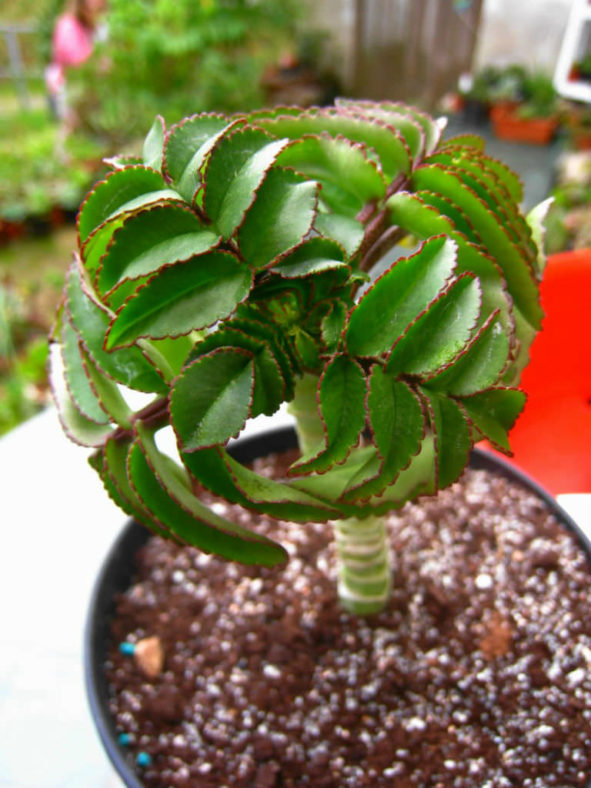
<point x="173" y="507"/>
<point x="186" y="147"/>
<point x="464" y="141"/>
<point x="224" y="476"/>
<point x="311" y="257"/>
<point x="412" y="213"/>
<point x="151" y="239"/>
<point x="480" y="366"/>
<point x="77" y="427"/>
<point x="349" y="179"/>
<point x="494" y="412"/>
<point x="452" y="434"/>
<point x="128" y="365"/>
<point x="536" y="219"/>
<point x="389" y="145"/>
<point x="236" y="168"/>
<point x="398" y="427"/>
<point x="94" y="249"/>
<point x="474" y="172"/>
<point x="81" y="391"/>
<point x="122" y="191"/>
<point x="398" y="115"/>
<point x="346" y="231"/>
<point x="401" y="294"/>
<point x="333" y="324"/>
<point x="269" y="383"/>
<point x="153" y="149"/>
<point x="211" y="399"/>
<point x="515" y="265"/>
<point x="275" y="343"/>
<point x="448" y="209"/>
<point x="182" y="298"/>
<point x="280" y="217"/>
<point x="342" y="391"/>
<point x="441" y="332"/>
<point x="113" y="473"/>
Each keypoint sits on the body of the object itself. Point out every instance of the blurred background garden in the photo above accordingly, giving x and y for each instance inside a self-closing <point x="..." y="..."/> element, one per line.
<point x="483" y="63"/>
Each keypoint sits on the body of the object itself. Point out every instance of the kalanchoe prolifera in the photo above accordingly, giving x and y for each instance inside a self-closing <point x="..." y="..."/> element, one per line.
<point x="230" y="270"/>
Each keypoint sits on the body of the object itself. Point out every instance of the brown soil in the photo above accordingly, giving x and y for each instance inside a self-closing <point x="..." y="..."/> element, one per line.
<point x="476" y="676"/>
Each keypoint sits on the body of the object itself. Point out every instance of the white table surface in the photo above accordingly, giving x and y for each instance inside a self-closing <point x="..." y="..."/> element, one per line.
<point x="57" y="525"/>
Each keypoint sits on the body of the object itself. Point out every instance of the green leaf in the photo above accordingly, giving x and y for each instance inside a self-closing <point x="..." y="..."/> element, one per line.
<point x="464" y="141"/>
<point x="494" y="412"/>
<point x="174" y="507"/>
<point x="342" y="407"/>
<point x="417" y="479"/>
<point x="349" y="179"/>
<point x="513" y="262"/>
<point x="108" y="394"/>
<point x="347" y="232"/>
<point x="441" y="332"/>
<point x="252" y="324"/>
<point x="186" y="148"/>
<point x="95" y="247"/>
<point x="156" y="237"/>
<point x="399" y="296"/>
<point x="153" y="145"/>
<point x="128" y="365"/>
<point x="182" y="298"/>
<point x="269" y="383"/>
<point x="224" y="476"/>
<point x="236" y="168"/>
<point x="399" y="116"/>
<point x="282" y="214"/>
<point x="121" y="192"/>
<point x="307" y="349"/>
<point x="536" y="219"/>
<point x="175" y="350"/>
<point x="116" y="482"/>
<point x="311" y="257"/>
<point x="82" y="393"/>
<point x="211" y="399"/>
<point x="77" y="427"/>
<point x="422" y="220"/>
<point x="332" y="325"/>
<point x="398" y="427"/>
<point x="480" y="366"/>
<point x="452" y="435"/>
<point x="385" y="141"/>
<point x="411" y="213"/>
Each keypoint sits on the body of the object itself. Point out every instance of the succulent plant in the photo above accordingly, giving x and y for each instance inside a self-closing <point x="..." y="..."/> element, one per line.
<point x="232" y="269"/>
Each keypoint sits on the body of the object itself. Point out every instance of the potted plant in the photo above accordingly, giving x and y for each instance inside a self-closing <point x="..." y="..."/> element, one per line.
<point x="527" y="111"/>
<point x="226" y="273"/>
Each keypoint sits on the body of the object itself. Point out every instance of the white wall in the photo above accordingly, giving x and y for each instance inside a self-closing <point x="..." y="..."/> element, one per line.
<point x="522" y="31"/>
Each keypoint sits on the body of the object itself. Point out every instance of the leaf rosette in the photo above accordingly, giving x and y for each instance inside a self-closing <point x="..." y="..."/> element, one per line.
<point x="236" y="267"/>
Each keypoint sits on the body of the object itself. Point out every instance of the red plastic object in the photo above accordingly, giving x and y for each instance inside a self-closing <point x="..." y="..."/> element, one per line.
<point x="552" y="438"/>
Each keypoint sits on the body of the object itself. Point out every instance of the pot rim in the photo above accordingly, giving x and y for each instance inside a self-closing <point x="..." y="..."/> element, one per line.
<point x="114" y="576"/>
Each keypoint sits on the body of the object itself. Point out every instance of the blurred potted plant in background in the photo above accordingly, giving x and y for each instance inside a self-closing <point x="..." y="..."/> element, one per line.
<point x="525" y="107"/>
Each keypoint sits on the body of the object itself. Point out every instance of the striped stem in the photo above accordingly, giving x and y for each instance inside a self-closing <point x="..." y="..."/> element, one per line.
<point x="364" y="572"/>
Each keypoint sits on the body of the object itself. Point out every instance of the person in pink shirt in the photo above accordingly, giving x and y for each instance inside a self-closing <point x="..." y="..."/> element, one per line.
<point x="73" y="41"/>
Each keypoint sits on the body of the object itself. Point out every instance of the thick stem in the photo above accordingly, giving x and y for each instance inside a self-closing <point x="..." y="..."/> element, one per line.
<point x="364" y="572"/>
<point x="304" y="408"/>
<point x="363" y="559"/>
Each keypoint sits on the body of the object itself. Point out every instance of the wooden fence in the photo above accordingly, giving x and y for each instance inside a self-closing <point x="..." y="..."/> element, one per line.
<point x="412" y="50"/>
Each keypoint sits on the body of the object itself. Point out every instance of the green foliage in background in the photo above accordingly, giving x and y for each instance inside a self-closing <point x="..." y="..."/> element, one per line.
<point x="175" y="57"/>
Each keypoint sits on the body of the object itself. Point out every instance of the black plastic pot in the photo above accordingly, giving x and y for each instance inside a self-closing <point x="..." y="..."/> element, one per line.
<point x="118" y="568"/>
